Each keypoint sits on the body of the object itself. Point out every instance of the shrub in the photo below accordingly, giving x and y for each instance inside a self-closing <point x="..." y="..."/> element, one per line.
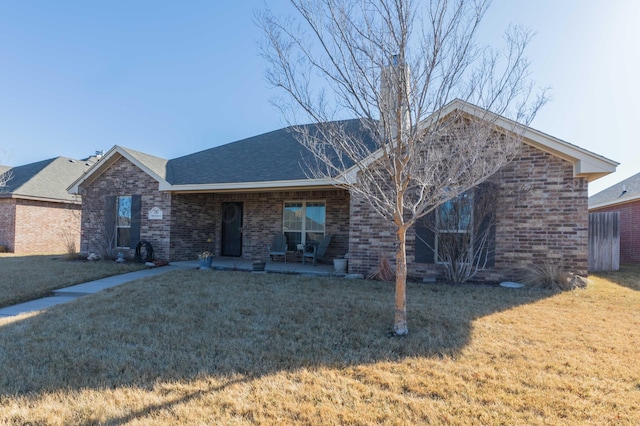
<point x="548" y="275"/>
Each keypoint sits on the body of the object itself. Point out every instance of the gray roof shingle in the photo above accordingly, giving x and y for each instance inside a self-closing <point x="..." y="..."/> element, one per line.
<point x="273" y="156"/>
<point x="156" y="164"/>
<point x="45" y="179"/>
<point x="628" y="188"/>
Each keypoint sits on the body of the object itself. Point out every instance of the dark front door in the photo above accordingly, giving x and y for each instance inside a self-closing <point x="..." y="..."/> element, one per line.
<point x="231" y="229"/>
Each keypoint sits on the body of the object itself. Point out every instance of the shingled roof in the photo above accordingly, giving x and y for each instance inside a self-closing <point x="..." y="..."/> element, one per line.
<point x="47" y="179"/>
<point x="273" y="156"/>
<point x="276" y="160"/>
<point x="625" y="191"/>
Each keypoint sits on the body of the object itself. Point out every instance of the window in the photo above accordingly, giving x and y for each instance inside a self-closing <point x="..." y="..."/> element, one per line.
<point x="454" y="227"/>
<point x="303" y="222"/>
<point x="123" y="222"/>
<point x="464" y="225"/>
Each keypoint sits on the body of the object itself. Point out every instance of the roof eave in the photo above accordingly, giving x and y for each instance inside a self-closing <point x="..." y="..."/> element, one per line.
<point x="15" y="196"/>
<point x="621" y="200"/>
<point x="252" y="186"/>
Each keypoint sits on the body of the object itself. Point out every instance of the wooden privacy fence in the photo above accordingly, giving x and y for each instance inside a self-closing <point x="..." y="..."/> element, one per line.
<point x="604" y="241"/>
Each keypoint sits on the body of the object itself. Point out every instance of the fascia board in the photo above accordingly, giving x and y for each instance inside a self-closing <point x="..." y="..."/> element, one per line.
<point x="15" y="196"/>
<point x="250" y="186"/>
<point x="622" y="200"/>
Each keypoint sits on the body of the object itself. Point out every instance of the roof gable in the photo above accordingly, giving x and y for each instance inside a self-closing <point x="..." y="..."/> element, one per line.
<point x="155" y="167"/>
<point x="585" y="163"/>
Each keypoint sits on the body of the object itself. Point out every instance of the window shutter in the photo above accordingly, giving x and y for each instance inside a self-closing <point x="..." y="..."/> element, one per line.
<point x="136" y="207"/>
<point x="425" y="239"/>
<point x="485" y="210"/>
<point x="110" y="219"/>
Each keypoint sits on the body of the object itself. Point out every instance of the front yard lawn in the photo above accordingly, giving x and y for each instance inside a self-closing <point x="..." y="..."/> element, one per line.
<point x="194" y="347"/>
<point x="24" y="278"/>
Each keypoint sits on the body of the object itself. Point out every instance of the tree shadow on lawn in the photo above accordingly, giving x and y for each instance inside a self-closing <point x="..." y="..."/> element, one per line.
<point x="184" y="325"/>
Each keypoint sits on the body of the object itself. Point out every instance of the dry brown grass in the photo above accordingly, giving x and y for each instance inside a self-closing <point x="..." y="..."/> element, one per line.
<point x="199" y="347"/>
<point x="628" y="276"/>
<point x="25" y="278"/>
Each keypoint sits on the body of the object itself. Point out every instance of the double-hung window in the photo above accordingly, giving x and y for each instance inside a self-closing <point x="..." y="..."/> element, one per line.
<point x="454" y="219"/>
<point x="303" y="222"/>
<point x="123" y="221"/>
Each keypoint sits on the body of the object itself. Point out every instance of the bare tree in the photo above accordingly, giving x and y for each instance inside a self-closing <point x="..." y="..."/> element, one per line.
<point x="5" y="174"/>
<point x="4" y="177"/>
<point x="397" y="65"/>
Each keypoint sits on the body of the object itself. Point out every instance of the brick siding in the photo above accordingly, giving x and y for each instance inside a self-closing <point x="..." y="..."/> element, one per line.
<point x="7" y="222"/>
<point x="629" y="230"/>
<point x="541" y="217"/>
<point x="32" y="227"/>
<point x="189" y="220"/>
<point x="198" y="217"/>
<point x="121" y="179"/>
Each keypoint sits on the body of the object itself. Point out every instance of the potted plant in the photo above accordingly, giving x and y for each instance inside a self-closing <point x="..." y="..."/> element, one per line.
<point x="340" y="264"/>
<point x="259" y="265"/>
<point x="206" y="257"/>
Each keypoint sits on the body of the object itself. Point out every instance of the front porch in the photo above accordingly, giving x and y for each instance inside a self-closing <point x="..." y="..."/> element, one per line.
<point x="241" y="264"/>
<point x="244" y="225"/>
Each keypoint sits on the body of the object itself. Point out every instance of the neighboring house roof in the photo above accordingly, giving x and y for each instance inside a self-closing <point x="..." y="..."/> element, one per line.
<point x="277" y="160"/>
<point x="622" y="192"/>
<point x="44" y="180"/>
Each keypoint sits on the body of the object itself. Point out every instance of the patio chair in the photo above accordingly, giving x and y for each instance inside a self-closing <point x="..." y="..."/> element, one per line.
<point x="278" y="247"/>
<point x="318" y="251"/>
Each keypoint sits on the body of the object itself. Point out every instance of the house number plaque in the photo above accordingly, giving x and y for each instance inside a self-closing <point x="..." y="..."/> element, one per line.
<point x="155" y="213"/>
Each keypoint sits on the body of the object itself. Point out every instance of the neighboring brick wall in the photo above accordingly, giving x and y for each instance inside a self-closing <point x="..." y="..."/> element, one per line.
<point x="33" y="227"/>
<point x="44" y="227"/>
<point x="629" y="230"/>
<point x="198" y="217"/>
<point x="7" y="222"/>
<point x="541" y="216"/>
<point x="124" y="178"/>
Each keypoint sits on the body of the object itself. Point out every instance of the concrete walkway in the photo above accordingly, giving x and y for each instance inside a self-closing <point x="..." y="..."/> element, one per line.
<point x="73" y="292"/>
<point x="70" y="293"/>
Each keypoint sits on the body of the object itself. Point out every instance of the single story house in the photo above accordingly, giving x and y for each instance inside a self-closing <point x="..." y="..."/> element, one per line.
<point x="623" y="197"/>
<point x="241" y="194"/>
<point x="37" y="213"/>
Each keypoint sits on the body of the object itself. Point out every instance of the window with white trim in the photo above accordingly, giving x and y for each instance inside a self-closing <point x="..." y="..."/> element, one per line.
<point x="303" y="222"/>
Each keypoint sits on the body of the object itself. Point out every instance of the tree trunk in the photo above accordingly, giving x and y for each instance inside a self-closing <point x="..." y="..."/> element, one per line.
<point x="400" y="320"/>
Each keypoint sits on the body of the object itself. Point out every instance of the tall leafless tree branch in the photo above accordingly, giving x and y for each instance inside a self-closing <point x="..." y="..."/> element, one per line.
<point x="396" y="65"/>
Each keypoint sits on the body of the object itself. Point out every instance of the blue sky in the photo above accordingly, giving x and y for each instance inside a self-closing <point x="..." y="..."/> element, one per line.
<point x="171" y="77"/>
